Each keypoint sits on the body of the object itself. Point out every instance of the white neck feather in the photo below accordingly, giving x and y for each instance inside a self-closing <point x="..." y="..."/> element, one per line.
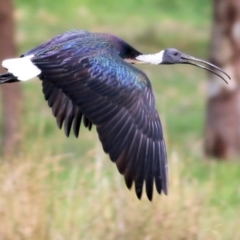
<point x="156" y="58"/>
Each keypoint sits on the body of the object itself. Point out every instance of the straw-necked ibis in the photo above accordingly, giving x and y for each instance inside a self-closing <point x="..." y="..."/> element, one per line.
<point x="89" y="77"/>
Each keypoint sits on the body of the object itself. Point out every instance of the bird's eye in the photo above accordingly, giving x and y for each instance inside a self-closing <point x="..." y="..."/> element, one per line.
<point x="175" y="53"/>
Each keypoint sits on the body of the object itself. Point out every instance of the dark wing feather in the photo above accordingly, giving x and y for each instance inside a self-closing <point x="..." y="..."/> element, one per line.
<point x="118" y="99"/>
<point x="57" y="42"/>
<point x="64" y="110"/>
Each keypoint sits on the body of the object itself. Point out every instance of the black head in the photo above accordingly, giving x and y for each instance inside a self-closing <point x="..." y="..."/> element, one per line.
<point x="173" y="56"/>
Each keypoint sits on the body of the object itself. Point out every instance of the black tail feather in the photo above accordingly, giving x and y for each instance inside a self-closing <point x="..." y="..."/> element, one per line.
<point x="8" y="78"/>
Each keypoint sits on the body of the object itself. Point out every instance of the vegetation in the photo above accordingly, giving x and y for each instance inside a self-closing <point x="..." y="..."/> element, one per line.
<point x="59" y="188"/>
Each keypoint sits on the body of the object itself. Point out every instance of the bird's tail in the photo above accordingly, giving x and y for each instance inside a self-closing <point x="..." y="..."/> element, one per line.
<point x="7" y="78"/>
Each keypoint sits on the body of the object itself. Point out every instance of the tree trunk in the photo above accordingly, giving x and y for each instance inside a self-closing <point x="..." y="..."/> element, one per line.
<point x="222" y="132"/>
<point x="11" y="94"/>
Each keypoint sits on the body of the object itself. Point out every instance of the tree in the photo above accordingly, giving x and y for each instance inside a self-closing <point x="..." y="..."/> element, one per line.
<point x="11" y="94"/>
<point x="222" y="132"/>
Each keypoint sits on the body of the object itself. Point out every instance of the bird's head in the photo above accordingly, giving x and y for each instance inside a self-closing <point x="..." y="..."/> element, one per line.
<point x="173" y="56"/>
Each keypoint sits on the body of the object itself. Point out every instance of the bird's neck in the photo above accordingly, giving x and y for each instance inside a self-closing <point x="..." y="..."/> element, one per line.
<point x="156" y="58"/>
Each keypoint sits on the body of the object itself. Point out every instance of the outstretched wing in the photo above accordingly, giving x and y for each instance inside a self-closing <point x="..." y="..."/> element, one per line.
<point x="118" y="99"/>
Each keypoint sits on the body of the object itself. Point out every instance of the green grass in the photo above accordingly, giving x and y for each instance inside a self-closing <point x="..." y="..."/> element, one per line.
<point x="59" y="188"/>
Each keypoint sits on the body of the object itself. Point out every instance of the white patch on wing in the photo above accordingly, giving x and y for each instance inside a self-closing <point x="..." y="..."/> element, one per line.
<point x="156" y="58"/>
<point x="22" y="68"/>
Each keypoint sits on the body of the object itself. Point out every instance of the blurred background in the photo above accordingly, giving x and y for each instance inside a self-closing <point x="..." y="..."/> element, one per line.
<point x="56" y="188"/>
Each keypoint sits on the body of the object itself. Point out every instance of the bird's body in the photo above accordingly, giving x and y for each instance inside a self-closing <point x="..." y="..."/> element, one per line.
<point x="88" y="77"/>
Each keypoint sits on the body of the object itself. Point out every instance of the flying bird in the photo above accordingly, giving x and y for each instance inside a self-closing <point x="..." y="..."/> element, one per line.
<point x="89" y="77"/>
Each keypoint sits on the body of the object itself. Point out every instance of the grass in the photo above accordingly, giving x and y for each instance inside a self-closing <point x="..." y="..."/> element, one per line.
<point x="42" y="199"/>
<point x="59" y="188"/>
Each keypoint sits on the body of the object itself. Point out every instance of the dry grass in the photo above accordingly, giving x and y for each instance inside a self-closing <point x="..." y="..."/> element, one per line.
<point x="41" y="199"/>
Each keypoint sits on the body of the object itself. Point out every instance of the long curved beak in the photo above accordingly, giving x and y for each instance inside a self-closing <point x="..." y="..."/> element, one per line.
<point x="208" y="66"/>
